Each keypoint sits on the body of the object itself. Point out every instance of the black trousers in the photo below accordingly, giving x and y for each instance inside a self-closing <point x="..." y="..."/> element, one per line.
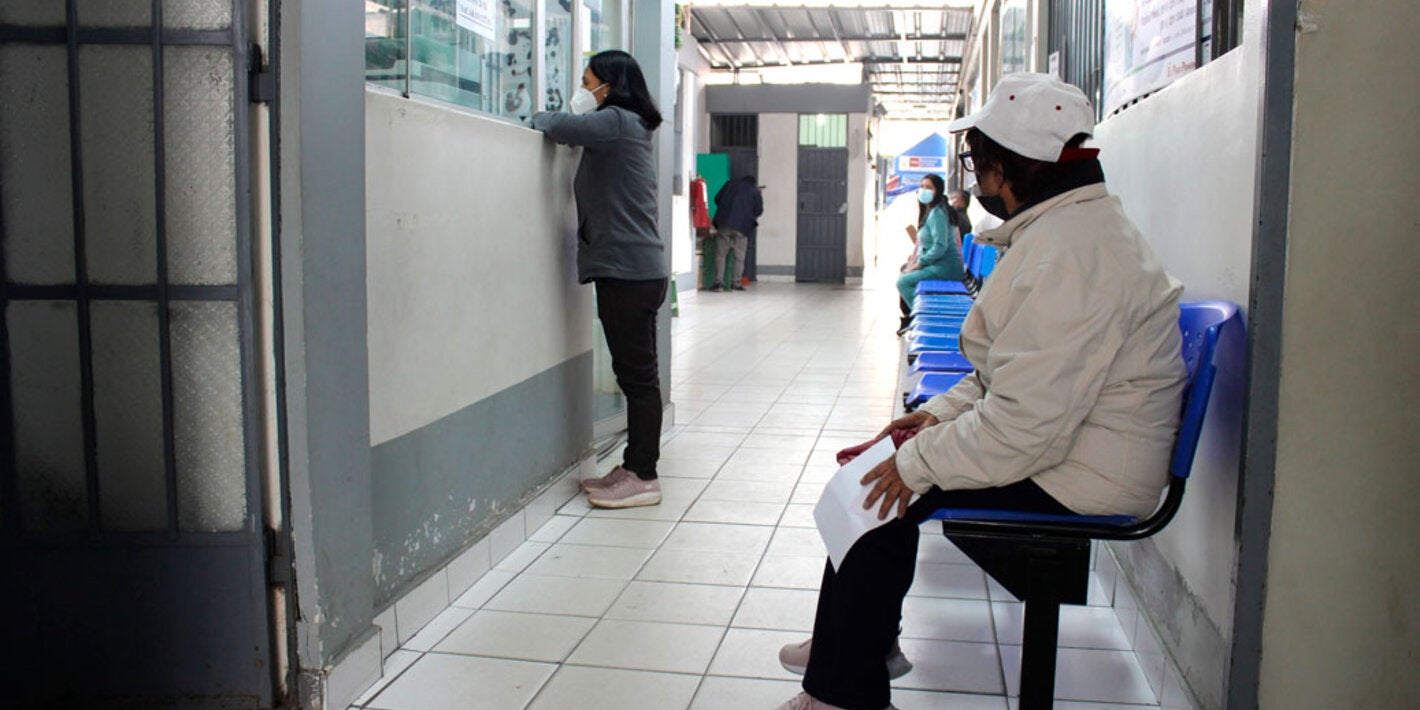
<point x="627" y="310"/>
<point x="860" y="605"/>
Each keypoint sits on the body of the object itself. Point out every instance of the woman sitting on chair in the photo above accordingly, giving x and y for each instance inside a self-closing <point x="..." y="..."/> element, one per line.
<point x="1074" y="403"/>
<point x="938" y="252"/>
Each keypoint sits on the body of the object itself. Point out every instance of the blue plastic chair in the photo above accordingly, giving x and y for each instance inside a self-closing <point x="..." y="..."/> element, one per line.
<point x="1044" y="559"/>
<point x="941" y="362"/>
<point x="940" y="286"/>
<point x="931" y="384"/>
<point x="933" y="344"/>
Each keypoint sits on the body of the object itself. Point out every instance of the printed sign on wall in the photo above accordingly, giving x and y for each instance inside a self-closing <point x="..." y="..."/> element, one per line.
<point x="1148" y="44"/>
<point x="477" y="17"/>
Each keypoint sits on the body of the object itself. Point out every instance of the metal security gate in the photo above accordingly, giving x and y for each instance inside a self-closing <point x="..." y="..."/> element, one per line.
<point x="821" y="253"/>
<point x="131" y="533"/>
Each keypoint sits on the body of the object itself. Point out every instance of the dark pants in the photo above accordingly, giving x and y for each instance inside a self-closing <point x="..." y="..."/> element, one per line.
<point x="627" y="310"/>
<point x="860" y="605"/>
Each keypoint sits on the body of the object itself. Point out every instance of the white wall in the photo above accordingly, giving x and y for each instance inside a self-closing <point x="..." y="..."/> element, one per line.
<point x="1342" y="617"/>
<point x="1184" y="162"/>
<point x="779" y="173"/>
<point x="859" y="186"/>
<point x="471" y="260"/>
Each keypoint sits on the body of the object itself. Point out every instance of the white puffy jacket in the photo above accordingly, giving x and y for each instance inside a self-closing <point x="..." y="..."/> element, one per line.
<point x="1079" y="376"/>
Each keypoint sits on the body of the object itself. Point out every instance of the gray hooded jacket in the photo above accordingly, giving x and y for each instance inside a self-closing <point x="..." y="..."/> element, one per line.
<point x="615" y="187"/>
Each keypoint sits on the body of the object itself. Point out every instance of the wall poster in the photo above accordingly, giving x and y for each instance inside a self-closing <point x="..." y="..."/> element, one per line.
<point x="477" y="17"/>
<point x="1148" y="44"/>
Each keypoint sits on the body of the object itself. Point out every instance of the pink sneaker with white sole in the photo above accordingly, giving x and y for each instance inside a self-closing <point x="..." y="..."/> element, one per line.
<point x="600" y="483"/>
<point x="629" y="491"/>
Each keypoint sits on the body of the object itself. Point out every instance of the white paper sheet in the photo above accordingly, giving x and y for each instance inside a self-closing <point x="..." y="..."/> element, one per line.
<point x="839" y="514"/>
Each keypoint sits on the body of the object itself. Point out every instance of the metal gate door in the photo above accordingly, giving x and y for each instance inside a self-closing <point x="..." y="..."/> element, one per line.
<point x="822" y="251"/>
<point x="131" y="530"/>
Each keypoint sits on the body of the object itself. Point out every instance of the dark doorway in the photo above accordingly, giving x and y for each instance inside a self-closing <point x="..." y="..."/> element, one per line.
<point x="737" y="135"/>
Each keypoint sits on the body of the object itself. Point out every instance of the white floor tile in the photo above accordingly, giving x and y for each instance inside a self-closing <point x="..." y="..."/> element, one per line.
<point x="397" y="663"/>
<point x="677" y="603"/>
<point x="777" y="609"/>
<point x="747" y="458"/>
<point x="693" y="438"/>
<point x="760" y="439"/>
<point x="444" y="682"/>
<point x="721" y="693"/>
<point x="951" y="665"/>
<point x="696" y="452"/>
<point x="801" y="542"/>
<point x="434" y="631"/>
<point x="521" y="556"/>
<point x="949" y="581"/>
<point x="752" y="491"/>
<point x="740" y="469"/>
<point x="621" y="533"/>
<point x="568" y="560"/>
<point x="947" y="619"/>
<point x="1080" y="627"/>
<point x="650" y="646"/>
<point x="719" y="537"/>
<point x="752" y="653"/>
<point x="903" y="699"/>
<point x="488" y="585"/>
<point x="557" y="595"/>
<point x="1089" y="675"/>
<point x="807" y="493"/>
<point x="529" y="637"/>
<point x="790" y="572"/>
<point x="587" y="688"/>
<point x="700" y="567"/>
<point x="736" y="512"/>
<point x="688" y="468"/>
<point x="798" y="515"/>
<point x="552" y="530"/>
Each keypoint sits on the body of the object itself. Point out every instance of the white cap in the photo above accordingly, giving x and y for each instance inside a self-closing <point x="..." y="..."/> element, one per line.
<point x="1033" y="115"/>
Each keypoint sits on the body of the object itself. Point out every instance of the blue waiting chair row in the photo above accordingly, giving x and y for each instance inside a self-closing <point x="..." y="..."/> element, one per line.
<point x="938" y="311"/>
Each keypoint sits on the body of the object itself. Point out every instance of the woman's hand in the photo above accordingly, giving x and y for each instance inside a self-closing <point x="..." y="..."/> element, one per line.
<point x="888" y="485"/>
<point x="914" y="420"/>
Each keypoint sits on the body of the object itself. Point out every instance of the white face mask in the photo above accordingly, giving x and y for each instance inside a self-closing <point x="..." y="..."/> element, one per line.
<point x="926" y="195"/>
<point x="583" y="101"/>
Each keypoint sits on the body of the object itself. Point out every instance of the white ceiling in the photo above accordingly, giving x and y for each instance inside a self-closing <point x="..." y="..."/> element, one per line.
<point x="911" y="56"/>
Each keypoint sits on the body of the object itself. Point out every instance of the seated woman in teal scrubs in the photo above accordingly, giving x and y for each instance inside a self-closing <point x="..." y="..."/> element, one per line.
<point x="938" y="253"/>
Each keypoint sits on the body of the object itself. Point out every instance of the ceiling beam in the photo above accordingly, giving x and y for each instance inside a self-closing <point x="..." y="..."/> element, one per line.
<point x="949" y="37"/>
<point x="864" y="60"/>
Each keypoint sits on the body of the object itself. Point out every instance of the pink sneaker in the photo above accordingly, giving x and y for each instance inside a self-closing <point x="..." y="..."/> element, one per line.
<point x="628" y="491"/>
<point x="600" y="483"/>
<point x="795" y="659"/>
<point x="804" y="701"/>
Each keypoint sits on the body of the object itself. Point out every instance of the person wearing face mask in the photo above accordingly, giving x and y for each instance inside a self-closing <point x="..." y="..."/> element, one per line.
<point x="619" y="251"/>
<point x="938" y="255"/>
<point x="1074" y="403"/>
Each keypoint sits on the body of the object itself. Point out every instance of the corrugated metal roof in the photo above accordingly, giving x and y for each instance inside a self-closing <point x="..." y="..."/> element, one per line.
<point x="911" y="56"/>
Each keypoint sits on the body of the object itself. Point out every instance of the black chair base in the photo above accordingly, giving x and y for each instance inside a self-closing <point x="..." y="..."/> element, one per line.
<point x="1044" y="572"/>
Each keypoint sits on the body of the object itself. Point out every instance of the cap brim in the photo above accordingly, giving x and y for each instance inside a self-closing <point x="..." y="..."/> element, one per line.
<point x="962" y="124"/>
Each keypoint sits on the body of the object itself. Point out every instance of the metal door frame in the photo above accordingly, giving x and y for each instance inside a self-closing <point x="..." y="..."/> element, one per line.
<point x="165" y="546"/>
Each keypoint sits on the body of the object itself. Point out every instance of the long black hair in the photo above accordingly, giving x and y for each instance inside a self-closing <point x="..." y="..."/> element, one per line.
<point x="626" y="85"/>
<point x="1029" y="178"/>
<point x="938" y="200"/>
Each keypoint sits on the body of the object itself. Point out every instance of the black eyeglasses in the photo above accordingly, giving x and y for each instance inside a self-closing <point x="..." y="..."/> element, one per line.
<point x="967" y="163"/>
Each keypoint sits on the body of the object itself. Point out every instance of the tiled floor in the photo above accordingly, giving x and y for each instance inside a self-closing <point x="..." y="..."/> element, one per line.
<point x="685" y="604"/>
